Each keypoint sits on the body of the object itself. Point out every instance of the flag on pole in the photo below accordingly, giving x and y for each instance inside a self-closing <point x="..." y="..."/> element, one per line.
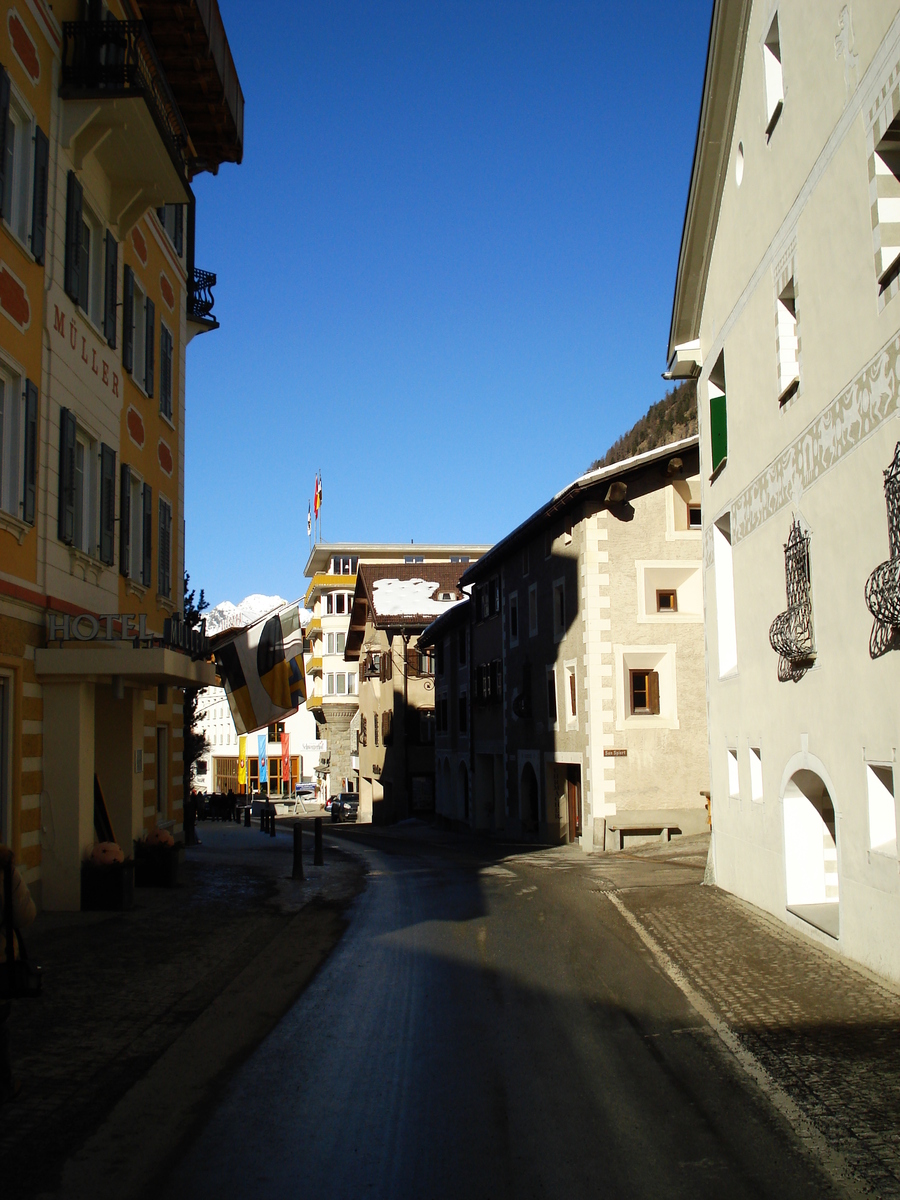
<point x="309" y="521"/>
<point x="262" y="670"/>
<point x="318" y="503"/>
<point x="286" y="757"/>
<point x="242" y="760"/>
<point x="262" y="742"/>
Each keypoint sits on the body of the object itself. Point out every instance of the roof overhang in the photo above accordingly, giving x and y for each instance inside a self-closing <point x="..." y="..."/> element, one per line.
<point x="718" y="107"/>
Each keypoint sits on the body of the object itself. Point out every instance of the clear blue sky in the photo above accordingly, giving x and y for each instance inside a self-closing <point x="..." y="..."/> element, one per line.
<point x="445" y="267"/>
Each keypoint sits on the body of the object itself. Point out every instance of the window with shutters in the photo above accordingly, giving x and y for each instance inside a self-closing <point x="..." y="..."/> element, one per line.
<point x="84" y="492"/>
<point x="12" y="443"/>
<point x="376" y="728"/>
<point x="147" y="534"/>
<point x="18" y="142"/>
<point x="131" y="524"/>
<point x="718" y="421"/>
<point x="138" y="332"/>
<point x="387" y="727"/>
<point x="165" y="547"/>
<point x="171" y="217"/>
<point x="165" y="371"/>
<point x="644" y="692"/>
<point x="107" y="504"/>
<point x="386" y="666"/>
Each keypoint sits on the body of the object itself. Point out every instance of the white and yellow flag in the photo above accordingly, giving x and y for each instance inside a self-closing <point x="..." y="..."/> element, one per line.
<point x="262" y="670"/>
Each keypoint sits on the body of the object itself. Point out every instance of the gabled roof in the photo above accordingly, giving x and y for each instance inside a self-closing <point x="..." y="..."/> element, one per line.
<point x="456" y="615"/>
<point x="649" y="463"/>
<point x="384" y="590"/>
<point x="721" y="88"/>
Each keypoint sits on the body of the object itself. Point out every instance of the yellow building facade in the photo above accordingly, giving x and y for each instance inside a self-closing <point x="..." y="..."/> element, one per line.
<point x="107" y="112"/>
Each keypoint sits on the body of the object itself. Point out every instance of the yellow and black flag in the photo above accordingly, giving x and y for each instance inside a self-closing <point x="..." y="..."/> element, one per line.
<point x="262" y="670"/>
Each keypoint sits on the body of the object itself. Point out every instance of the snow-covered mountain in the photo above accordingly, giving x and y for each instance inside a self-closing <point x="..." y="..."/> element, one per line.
<point x="230" y="616"/>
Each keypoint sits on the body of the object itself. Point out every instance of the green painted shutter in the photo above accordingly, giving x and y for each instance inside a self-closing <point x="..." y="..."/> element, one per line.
<point x="110" y="292"/>
<point x="149" y="342"/>
<point x="4" y="118"/>
<point x="66" y="526"/>
<point x="107" y="504"/>
<point x="718" y="427"/>
<point x="74" y="221"/>
<point x="125" y="519"/>
<point x="128" y="319"/>
<point x="39" y="196"/>
<point x="147" y="564"/>
<point x="28" y="494"/>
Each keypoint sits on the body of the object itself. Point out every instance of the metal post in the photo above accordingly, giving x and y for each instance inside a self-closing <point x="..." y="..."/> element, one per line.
<point x="297" y="872"/>
<point x="272" y="822"/>
<point x="318" y="859"/>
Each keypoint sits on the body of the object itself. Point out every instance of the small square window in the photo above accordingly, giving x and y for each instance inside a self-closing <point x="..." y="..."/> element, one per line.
<point x="666" y="600"/>
<point x="694" y="518"/>
<point x="644" y="692"/>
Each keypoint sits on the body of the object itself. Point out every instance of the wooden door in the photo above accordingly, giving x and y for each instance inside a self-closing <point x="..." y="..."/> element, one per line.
<point x="573" y="796"/>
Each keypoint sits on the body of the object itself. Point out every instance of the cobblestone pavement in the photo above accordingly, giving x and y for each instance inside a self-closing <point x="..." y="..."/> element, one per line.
<point x="827" y="1034"/>
<point x="119" y="988"/>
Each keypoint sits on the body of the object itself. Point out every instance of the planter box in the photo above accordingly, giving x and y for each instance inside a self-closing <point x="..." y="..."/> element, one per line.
<point x="107" y="888"/>
<point x="158" y="866"/>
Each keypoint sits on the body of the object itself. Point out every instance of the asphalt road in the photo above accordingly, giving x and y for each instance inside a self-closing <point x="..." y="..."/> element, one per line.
<point x="491" y="1028"/>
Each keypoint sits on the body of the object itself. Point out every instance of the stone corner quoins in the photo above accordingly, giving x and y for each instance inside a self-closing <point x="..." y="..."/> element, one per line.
<point x="859" y="410"/>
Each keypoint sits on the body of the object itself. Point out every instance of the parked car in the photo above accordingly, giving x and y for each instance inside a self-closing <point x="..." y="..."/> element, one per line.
<point x="345" y="807"/>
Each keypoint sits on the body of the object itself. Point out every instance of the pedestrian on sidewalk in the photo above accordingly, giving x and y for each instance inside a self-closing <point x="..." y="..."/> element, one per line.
<point x="24" y="913"/>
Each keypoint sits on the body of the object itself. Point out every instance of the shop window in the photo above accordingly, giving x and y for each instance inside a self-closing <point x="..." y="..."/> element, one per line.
<point x="644" y="686"/>
<point x="756" y="776"/>
<point x="774" y="76"/>
<point x="718" y="420"/>
<point x="882" y="808"/>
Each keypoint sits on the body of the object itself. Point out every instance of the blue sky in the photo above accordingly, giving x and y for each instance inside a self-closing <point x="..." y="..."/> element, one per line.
<point x="445" y="268"/>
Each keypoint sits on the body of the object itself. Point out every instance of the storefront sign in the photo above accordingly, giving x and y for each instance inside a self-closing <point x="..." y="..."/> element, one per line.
<point x="85" y="627"/>
<point x="615" y="753"/>
<point x="317" y="747"/>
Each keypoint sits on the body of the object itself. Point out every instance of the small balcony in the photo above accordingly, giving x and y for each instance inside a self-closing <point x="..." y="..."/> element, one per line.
<point x="200" y="300"/>
<point x="119" y="107"/>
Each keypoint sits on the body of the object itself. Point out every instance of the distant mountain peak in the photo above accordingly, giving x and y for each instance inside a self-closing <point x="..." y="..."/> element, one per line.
<point x="670" y="419"/>
<point x="234" y="616"/>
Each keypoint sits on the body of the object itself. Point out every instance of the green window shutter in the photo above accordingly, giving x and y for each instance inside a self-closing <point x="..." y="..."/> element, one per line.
<point x="66" y="526"/>
<point x="4" y="118"/>
<point x="128" y="319"/>
<point x="107" y="504"/>
<point x="150" y="333"/>
<point x="718" y="427"/>
<point x="125" y="519"/>
<point x="74" y="222"/>
<point x="148" y="535"/>
<point x="39" y="196"/>
<point x="30" y="484"/>
<point x="110" y="296"/>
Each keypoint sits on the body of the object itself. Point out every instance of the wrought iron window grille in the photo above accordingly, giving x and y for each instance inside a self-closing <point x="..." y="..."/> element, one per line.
<point x="883" y="585"/>
<point x="200" y="297"/>
<point x="791" y="634"/>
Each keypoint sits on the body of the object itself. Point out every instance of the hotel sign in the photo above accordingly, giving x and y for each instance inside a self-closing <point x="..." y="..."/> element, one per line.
<point x="85" y="627"/>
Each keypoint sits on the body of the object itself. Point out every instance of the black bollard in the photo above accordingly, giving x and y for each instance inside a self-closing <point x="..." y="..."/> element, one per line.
<point x="272" y="822"/>
<point x="247" y="817"/>
<point x="297" y="872"/>
<point x="263" y="817"/>
<point x="318" y="859"/>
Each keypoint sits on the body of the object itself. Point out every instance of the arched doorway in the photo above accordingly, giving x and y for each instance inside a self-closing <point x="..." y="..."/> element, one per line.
<point x="528" y="792"/>
<point x="810" y="852"/>
<point x="464" y="790"/>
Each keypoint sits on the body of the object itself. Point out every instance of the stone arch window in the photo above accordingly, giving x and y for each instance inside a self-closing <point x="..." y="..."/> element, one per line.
<point x="791" y="634"/>
<point x="883" y="585"/>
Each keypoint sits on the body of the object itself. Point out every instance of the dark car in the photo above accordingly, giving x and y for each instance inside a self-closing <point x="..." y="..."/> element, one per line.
<point x="345" y="807"/>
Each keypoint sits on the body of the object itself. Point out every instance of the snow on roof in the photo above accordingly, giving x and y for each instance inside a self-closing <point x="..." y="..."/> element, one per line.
<point x="408" y="597"/>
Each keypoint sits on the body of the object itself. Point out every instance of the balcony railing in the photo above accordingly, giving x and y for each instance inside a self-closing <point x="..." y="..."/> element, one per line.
<point x="792" y="634"/>
<point x="200" y="298"/>
<point x="883" y="585"/>
<point x="113" y="59"/>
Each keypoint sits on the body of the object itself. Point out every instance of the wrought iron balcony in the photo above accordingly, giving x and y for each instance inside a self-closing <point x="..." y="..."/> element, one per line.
<point x="116" y="60"/>
<point x="200" y="298"/>
<point x="883" y="585"/>
<point x="791" y="634"/>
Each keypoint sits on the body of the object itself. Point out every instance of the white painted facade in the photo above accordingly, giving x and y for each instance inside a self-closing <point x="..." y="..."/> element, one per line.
<point x="787" y="304"/>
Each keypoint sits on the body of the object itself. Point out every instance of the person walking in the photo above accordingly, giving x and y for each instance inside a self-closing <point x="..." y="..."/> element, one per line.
<point x="24" y="913"/>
